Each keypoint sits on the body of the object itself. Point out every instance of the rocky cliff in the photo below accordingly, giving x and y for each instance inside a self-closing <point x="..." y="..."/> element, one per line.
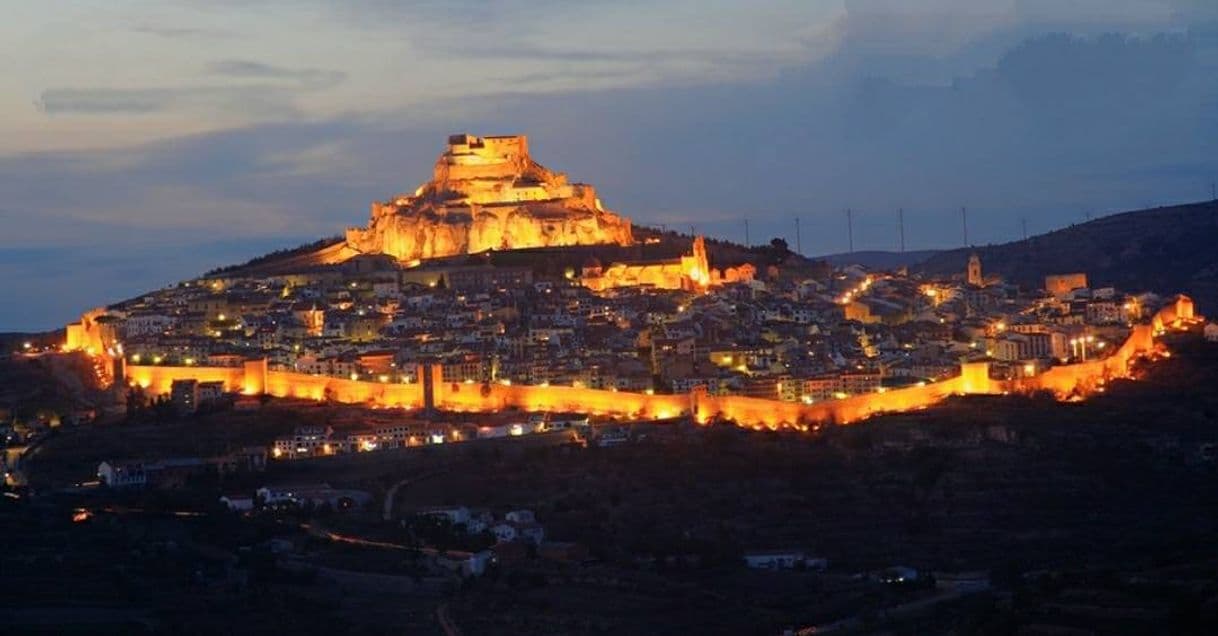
<point x="487" y="193"/>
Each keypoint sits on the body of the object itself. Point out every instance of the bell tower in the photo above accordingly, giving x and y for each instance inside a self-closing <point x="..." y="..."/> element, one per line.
<point x="974" y="271"/>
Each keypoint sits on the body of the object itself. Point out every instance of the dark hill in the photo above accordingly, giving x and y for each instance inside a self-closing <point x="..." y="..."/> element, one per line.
<point x="1166" y="250"/>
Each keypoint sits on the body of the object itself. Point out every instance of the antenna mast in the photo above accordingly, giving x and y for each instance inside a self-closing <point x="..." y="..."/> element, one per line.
<point x="901" y="224"/>
<point x="850" y="228"/>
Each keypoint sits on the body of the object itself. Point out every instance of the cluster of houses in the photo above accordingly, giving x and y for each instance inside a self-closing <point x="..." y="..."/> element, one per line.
<point x="515" y="525"/>
<point x="173" y="472"/>
<point x="306" y="495"/>
<point x="316" y="441"/>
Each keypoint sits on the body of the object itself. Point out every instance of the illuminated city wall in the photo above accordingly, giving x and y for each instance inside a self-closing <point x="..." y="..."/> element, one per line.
<point x="386" y="394"/>
<point x="90" y="334"/>
<point x="1173" y="315"/>
<point x="759" y="412"/>
<point x="1064" y="381"/>
<point x="1083" y="378"/>
<point x="157" y="380"/>
<point x="496" y="397"/>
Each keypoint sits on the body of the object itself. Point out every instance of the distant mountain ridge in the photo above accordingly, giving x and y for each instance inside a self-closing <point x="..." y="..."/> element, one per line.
<point x="1165" y="249"/>
<point x="878" y="259"/>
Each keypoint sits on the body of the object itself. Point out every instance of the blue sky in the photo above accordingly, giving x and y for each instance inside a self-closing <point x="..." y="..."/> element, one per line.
<point x="145" y="142"/>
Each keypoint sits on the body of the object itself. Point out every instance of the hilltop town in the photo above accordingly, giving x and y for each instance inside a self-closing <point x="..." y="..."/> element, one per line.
<point x="499" y="332"/>
<point x="776" y="342"/>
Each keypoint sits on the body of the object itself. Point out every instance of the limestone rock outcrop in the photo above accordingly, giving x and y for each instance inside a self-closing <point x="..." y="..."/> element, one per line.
<point x="487" y="193"/>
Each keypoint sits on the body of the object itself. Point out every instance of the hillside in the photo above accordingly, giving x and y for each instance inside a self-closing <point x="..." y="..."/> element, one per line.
<point x="1165" y="249"/>
<point x="652" y="245"/>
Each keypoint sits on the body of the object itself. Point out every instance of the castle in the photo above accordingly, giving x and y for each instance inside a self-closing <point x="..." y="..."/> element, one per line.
<point x="487" y="193"/>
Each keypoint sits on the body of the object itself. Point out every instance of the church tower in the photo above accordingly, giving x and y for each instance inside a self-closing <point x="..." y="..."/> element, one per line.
<point x="974" y="271"/>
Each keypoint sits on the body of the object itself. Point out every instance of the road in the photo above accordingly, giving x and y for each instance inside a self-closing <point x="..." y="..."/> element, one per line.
<point x="446" y="622"/>
<point x="387" y="514"/>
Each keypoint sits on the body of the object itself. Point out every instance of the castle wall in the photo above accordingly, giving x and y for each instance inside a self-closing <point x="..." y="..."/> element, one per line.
<point x="157" y="380"/>
<point x="1180" y="310"/>
<point x="760" y="412"/>
<point x="497" y="397"/>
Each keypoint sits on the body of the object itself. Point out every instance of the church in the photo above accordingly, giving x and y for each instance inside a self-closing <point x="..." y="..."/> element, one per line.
<point x="691" y="272"/>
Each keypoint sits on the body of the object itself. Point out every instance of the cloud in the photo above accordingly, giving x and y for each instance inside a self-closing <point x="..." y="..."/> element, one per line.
<point x="1010" y="120"/>
<point x="306" y="77"/>
<point x="273" y="95"/>
<point x="176" y="32"/>
<point x="258" y="101"/>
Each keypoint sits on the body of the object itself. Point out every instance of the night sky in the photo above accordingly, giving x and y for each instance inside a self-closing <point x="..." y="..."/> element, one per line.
<point x="145" y="142"/>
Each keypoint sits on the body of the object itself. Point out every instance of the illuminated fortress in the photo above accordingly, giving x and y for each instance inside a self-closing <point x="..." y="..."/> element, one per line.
<point x="487" y="193"/>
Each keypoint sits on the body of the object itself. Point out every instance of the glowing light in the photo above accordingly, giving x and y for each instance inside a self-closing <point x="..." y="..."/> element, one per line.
<point x="27" y="346"/>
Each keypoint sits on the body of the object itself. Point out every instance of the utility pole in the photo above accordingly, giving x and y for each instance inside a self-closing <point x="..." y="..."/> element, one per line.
<point x="799" y="244"/>
<point x="1024" y="223"/>
<point x="850" y="228"/>
<point x="901" y="225"/>
<point x="964" y="224"/>
<point x="746" y="234"/>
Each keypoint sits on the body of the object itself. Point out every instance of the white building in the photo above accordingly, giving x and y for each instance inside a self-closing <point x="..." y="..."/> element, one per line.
<point x="782" y="560"/>
<point x="122" y="474"/>
<point x="238" y="503"/>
